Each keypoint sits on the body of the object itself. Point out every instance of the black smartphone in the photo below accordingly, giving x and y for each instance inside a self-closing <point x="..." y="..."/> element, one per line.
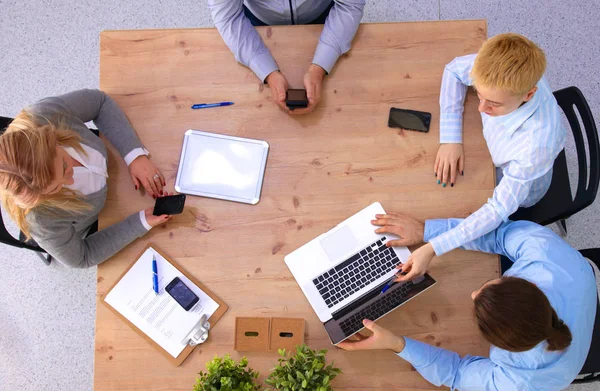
<point x="409" y="120"/>
<point x="182" y="294"/>
<point x="296" y="99"/>
<point x="169" y="205"/>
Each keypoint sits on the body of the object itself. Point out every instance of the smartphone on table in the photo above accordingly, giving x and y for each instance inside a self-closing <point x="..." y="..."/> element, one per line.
<point x="169" y="205"/>
<point x="182" y="294"/>
<point x="409" y="120"/>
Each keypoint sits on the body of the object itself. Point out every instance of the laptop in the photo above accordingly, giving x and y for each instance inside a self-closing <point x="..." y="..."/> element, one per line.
<point x="343" y="271"/>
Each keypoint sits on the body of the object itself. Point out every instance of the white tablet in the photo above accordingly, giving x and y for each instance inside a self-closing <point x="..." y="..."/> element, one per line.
<point x="224" y="167"/>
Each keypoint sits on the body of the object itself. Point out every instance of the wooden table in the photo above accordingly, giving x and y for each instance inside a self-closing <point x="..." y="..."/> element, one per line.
<point x="322" y="168"/>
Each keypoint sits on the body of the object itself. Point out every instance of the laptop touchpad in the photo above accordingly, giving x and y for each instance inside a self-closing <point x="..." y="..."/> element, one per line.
<point x="339" y="243"/>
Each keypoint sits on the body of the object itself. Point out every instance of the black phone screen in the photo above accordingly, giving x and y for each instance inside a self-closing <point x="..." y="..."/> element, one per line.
<point x="182" y="294"/>
<point x="296" y="98"/>
<point x="169" y="205"/>
<point x="409" y="120"/>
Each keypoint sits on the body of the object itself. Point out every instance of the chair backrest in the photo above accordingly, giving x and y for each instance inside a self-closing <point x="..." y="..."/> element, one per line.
<point x="591" y="368"/>
<point x="569" y="99"/>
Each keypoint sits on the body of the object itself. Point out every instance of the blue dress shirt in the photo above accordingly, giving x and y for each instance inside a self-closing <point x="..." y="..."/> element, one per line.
<point x="248" y="48"/>
<point x="564" y="276"/>
<point x="523" y="145"/>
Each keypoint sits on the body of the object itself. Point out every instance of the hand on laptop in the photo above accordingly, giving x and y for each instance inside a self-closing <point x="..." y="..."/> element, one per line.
<point x="408" y="229"/>
<point x="417" y="264"/>
<point x="380" y="339"/>
<point x="450" y="162"/>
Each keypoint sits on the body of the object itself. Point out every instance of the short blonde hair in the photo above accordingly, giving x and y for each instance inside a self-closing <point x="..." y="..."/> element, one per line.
<point x="27" y="153"/>
<point x="509" y="62"/>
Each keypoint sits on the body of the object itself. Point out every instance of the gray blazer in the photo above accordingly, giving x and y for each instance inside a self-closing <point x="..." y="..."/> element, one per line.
<point x="62" y="236"/>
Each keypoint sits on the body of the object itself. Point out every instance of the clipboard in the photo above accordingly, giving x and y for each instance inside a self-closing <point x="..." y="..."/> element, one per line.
<point x="177" y="361"/>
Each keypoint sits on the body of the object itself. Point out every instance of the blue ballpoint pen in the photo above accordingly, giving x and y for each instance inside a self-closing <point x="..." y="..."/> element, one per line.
<point x="207" y="105"/>
<point x="388" y="285"/>
<point x="154" y="275"/>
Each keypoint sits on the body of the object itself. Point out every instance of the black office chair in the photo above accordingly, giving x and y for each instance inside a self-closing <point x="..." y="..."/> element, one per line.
<point x="591" y="369"/>
<point x="558" y="205"/>
<point x="7" y="238"/>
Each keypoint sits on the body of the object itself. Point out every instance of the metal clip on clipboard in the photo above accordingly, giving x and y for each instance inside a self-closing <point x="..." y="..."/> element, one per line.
<point x="198" y="334"/>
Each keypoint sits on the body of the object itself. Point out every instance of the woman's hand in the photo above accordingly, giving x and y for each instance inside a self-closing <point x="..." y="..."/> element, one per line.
<point x="408" y="229"/>
<point x="380" y="340"/>
<point x="449" y="162"/>
<point x="143" y="172"/>
<point x="417" y="263"/>
<point x="152" y="220"/>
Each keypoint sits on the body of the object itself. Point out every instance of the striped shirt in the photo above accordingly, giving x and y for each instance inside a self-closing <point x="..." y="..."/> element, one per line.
<point x="523" y="145"/>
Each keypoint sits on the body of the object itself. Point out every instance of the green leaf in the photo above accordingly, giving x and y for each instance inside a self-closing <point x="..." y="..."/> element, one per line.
<point x="326" y="380"/>
<point x="304" y="383"/>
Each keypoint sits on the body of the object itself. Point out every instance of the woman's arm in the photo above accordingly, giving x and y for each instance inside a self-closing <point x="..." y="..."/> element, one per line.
<point x="59" y="238"/>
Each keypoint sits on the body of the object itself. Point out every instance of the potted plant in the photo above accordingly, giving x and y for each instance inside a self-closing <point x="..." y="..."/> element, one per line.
<point x="224" y="374"/>
<point x="306" y="370"/>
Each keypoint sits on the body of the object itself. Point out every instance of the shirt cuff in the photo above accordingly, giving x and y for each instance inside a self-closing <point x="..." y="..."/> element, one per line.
<point x="263" y="65"/>
<point x="144" y="221"/>
<point x="451" y="125"/>
<point x="325" y="57"/>
<point x="437" y="234"/>
<point x="134" y="154"/>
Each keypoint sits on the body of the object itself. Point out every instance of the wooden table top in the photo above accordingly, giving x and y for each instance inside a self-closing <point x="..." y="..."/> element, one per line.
<point x="322" y="168"/>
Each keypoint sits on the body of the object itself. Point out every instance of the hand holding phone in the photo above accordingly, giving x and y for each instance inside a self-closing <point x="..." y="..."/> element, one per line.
<point x="296" y="99"/>
<point x="169" y="205"/>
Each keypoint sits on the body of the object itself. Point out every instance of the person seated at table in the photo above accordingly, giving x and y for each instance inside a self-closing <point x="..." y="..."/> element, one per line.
<point x="53" y="176"/>
<point x="234" y="20"/>
<point x="538" y="317"/>
<point x="521" y="125"/>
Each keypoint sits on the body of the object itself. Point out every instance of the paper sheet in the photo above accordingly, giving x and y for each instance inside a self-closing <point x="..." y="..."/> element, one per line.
<point x="158" y="316"/>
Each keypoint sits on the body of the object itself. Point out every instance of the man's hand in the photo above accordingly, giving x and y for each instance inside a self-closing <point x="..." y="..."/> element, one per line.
<point x="380" y="339"/>
<point x="417" y="263"/>
<point x="449" y="162"/>
<point x="408" y="229"/>
<point x="279" y="86"/>
<point x="143" y="172"/>
<point x="313" y="83"/>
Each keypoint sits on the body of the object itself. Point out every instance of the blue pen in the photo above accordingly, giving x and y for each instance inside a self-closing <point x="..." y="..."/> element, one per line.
<point x="388" y="285"/>
<point x="154" y="275"/>
<point x="207" y="105"/>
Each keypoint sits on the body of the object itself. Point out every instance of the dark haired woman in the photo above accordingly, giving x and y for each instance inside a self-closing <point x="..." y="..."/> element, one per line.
<point x="538" y="317"/>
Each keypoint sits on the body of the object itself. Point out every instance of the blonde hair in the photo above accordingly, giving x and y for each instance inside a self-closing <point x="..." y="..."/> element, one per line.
<point x="509" y="62"/>
<point x="27" y="153"/>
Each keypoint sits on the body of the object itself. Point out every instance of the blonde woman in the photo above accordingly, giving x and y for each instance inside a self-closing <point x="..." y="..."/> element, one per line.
<point x="53" y="176"/>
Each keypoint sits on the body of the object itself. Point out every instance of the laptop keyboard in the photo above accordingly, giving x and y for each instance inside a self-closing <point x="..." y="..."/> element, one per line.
<point x="374" y="311"/>
<point x="356" y="272"/>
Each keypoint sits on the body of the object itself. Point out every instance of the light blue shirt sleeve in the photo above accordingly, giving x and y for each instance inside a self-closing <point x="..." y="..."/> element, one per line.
<point x="338" y="32"/>
<point x="513" y="189"/>
<point x="455" y="82"/>
<point x="443" y="367"/>
<point x="241" y="37"/>
<point x="525" y="243"/>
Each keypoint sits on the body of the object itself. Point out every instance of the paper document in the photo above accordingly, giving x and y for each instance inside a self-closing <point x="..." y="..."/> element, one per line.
<point x="158" y="316"/>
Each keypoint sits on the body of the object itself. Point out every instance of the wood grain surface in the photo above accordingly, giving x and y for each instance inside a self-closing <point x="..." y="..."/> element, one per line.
<point x="322" y="168"/>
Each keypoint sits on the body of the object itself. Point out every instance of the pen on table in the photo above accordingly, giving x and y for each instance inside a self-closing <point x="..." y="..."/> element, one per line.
<point x="154" y="275"/>
<point x="207" y="105"/>
<point x="388" y="285"/>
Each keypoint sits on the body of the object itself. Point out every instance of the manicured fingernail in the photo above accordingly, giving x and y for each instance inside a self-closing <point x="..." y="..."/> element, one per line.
<point x="462" y="173"/>
<point x="443" y="185"/>
<point x="136" y="187"/>
<point x="452" y="185"/>
<point x="439" y="181"/>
